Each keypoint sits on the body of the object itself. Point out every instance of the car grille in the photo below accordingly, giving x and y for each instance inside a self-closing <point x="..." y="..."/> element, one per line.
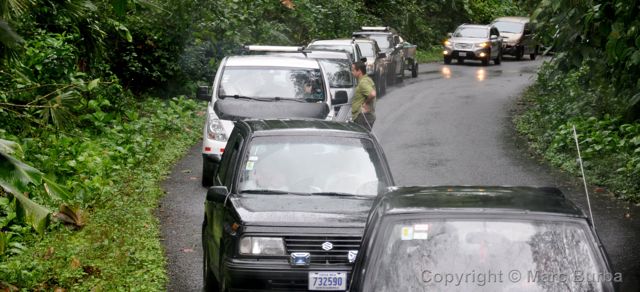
<point x="313" y="245"/>
<point x="463" y="46"/>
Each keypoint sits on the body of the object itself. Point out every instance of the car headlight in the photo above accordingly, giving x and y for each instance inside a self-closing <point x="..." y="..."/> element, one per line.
<point x="447" y="43"/>
<point x="482" y="45"/>
<point x="271" y="246"/>
<point x="215" y="130"/>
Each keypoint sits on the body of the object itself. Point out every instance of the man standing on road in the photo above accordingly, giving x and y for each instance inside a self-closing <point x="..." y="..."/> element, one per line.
<point x="364" y="100"/>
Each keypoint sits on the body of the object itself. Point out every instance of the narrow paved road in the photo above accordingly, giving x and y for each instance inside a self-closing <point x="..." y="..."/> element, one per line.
<point x="451" y="125"/>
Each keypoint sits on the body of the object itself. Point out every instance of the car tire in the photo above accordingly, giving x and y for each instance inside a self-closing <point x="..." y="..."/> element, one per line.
<point x="383" y="86"/>
<point x="447" y="60"/>
<point x="210" y="283"/>
<point x="414" y="69"/>
<point x="401" y="75"/>
<point x="208" y="168"/>
<point x="532" y="56"/>
<point x="519" y="53"/>
<point x="498" y="59"/>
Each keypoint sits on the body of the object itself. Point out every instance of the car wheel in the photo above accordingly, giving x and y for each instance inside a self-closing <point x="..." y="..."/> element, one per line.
<point x="383" y="86"/>
<point x="207" y="173"/>
<point x="532" y="56"/>
<point x="447" y="60"/>
<point x="401" y="75"/>
<point x="414" y="69"/>
<point x="498" y="59"/>
<point x="210" y="282"/>
<point x="519" y="53"/>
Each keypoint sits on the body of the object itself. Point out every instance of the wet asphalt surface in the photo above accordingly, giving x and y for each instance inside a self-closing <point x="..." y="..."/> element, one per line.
<point x="450" y="125"/>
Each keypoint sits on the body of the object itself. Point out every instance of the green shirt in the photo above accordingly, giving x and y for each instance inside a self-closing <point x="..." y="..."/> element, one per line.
<point x="365" y="86"/>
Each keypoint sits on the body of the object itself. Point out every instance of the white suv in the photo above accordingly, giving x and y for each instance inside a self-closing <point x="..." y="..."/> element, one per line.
<point x="262" y="87"/>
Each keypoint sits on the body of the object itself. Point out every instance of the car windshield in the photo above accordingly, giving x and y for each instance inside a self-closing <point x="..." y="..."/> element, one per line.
<point x="381" y="39"/>
<point x="266" y="83"/>
<point x="312" y="164"/>
<point x="483" y="255"/>
<point x="509" y="27"/>
<point x="471" y="32"/>
<point x="366" y="49"/>
<point x="338" y="72"/>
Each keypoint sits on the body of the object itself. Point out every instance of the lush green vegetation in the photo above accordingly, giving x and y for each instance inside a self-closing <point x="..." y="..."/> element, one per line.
<point x="592" y="83"/>
<point x="88" y="128"/>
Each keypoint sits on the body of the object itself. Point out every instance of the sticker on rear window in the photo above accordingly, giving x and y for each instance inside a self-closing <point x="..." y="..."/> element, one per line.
<point x="253" y="158"/>
<point x="407" y="233"/>
<point x="421" y="231"/>
<point x="249" y="165"/>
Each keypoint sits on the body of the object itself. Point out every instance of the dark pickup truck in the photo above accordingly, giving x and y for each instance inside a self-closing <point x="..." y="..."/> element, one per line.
<point x="288" y="206"/>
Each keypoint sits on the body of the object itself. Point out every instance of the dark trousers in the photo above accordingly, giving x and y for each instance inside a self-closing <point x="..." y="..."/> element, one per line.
<point x="365" y="120"/>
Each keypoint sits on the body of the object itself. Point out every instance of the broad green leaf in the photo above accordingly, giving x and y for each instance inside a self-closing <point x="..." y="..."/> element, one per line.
<point x="32" y="213"/>
<point x="93" y="84"/>
<point x="15" y="175"/>
<point x="55" y="190"/>
<point x="9" y="147"/>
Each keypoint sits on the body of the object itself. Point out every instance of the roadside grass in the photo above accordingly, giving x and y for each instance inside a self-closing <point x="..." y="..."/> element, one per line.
<point x="610" y="147"/>
<point x="119" y="247"/>
<point x="429" y="55"/>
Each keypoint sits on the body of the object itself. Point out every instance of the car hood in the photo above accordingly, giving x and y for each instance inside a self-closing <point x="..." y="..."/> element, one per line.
<point x="468" y="40"/>
<point x="239" y="109"/>
<point x="297" y="210"/>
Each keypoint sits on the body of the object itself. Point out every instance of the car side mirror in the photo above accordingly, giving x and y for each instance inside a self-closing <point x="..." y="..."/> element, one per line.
<point x="217" y="194"/>
<point x="340" y="98"/>
<point x="382" y="55"/>
<point x="398" y="46"/>
<point x="527" y="32"/>
<point x="203" y="93"/>
<point x="449" y="35"/>
<point x="494" y="37"/>
<point x="363" y="59"/>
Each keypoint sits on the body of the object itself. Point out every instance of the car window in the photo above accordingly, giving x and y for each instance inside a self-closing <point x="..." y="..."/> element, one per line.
<point x="310" y="164"/>
<point x="367" y="49"/>
<point x="471" y="32"/>
<point x="338" y="72"/>
<point x="509" y="27"/>
<point x="260" y="82"/>
<point x="232" y="146"/>
<point x="346" y="48"/>
<point x="414" y="255"/>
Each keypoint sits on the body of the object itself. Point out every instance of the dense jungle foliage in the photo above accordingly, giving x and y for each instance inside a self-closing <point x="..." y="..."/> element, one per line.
<point x="592" y="84"/>
<point x="86" y="91"/>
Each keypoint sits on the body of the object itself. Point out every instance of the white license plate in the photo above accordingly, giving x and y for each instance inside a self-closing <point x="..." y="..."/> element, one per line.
<point x="462" y="54"/>
<point x="328" y="281"/>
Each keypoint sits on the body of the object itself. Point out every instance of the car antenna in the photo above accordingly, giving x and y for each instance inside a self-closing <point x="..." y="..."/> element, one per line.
<point x="584" y="179"/>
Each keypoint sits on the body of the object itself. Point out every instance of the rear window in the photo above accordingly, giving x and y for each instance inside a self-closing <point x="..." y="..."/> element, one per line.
<point x="366" y="49"/>
<point x="484" y="255"/>
<point x="509" y="27"/>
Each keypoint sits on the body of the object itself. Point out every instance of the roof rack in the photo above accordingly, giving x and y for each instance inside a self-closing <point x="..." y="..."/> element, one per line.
<point x="264" y="48"/>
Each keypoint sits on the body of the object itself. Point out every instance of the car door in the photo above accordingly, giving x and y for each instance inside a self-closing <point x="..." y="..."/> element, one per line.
<point x="225" y="178"/>
<point x="496" y="42"/>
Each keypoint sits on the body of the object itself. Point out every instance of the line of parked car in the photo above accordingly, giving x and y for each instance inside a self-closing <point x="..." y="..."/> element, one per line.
<point x="504" y="36"/>
<point x="300" y="199"/>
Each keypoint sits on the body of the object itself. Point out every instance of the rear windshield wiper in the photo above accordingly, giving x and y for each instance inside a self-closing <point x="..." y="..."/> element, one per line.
<point x="274" y="192"/>
<point x="338" y="194"/>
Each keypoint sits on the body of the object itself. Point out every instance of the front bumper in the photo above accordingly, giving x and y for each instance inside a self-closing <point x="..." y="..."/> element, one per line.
<point x="477" y="54"/>
<point x="510" y="49"/>
<point x="270" y="275"/>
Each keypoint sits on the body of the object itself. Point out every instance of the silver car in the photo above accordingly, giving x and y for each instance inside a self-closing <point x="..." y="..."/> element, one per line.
<point x="474" y="42"/>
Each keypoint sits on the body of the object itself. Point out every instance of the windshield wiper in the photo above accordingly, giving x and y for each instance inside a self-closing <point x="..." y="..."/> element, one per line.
<point x="338" y="194"/>
<point x="236" y="96"/>
<point x="273" y="192"/>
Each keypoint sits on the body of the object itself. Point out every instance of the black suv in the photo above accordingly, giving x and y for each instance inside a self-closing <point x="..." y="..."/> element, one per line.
<point x="289" y="204"/>
<point x="480" y="239"/>
<point x="391" y="44"/>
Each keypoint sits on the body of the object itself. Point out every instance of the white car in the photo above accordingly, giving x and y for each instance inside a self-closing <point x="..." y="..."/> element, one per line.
<point x="261" y="87"/>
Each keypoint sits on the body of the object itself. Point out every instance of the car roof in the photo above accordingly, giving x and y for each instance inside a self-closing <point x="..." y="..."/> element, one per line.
<point x="332" y="42"/>
<point x="302" y="125"/>
<point x="512" y="19"/>
<point x="478" y="199"/>
<point x="270" y="61"/>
